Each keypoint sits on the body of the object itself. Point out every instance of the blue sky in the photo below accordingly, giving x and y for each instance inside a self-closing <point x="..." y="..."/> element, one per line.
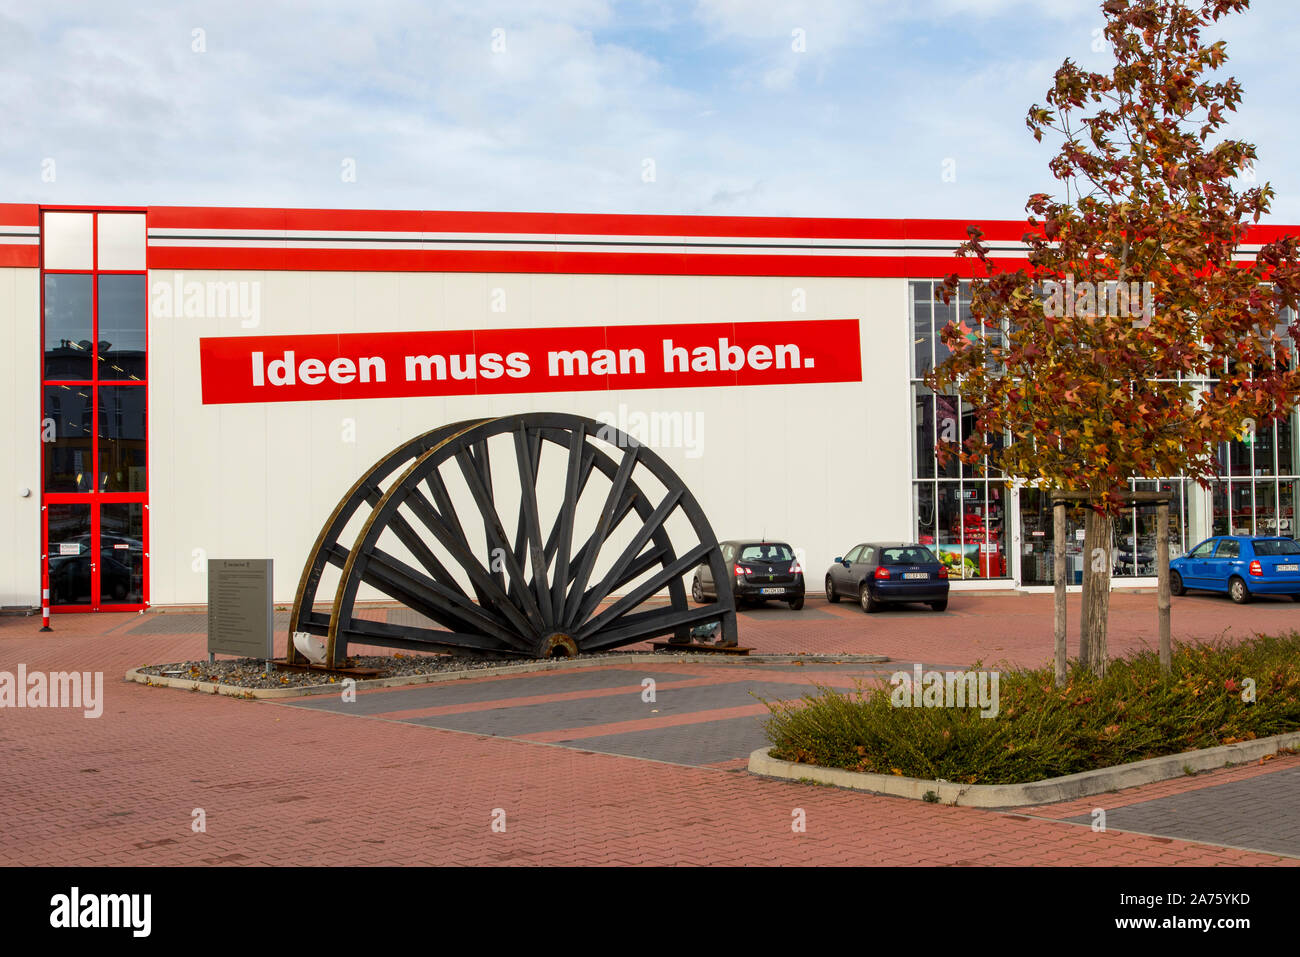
<point x="272" y="101"/>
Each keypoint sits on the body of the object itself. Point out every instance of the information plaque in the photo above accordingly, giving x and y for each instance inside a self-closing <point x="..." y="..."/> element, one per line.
<point x="239" y="608"/>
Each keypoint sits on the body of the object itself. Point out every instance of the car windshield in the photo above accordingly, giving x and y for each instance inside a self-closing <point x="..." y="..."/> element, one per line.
<point x="909" y="555"/>
<point x="766" y="553"/>
<point x="1277" y="546"/>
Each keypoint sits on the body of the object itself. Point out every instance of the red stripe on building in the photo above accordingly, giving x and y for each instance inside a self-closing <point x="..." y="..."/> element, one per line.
<point x="20" y="256"/>
<point x="20" y="214"/>
<point x="530" y="261"/>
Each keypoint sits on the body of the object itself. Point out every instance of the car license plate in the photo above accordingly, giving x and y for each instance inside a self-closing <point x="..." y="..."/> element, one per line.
<point x="1288" y="568"/>
<point x="771" y="591"/>
<point x="916" y="574"/>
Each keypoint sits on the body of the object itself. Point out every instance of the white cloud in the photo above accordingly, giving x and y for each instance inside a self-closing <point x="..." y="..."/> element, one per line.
<point x="735" y="119"/>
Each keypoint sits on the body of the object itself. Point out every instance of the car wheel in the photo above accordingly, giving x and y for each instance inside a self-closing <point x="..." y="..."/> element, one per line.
<point x="831" y="595"/>
<point x="796" y="604"/>
<point x="869" y="604"/>
<point x="1176" y="584"/>
<point x="697" y="593"/>
<point x="1238" y="591"/>
<point x="939" y="605"/>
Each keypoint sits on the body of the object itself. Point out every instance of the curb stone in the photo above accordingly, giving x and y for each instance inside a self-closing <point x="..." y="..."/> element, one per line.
<point x="1047" y="791"/>
<point x="235" y="691"/>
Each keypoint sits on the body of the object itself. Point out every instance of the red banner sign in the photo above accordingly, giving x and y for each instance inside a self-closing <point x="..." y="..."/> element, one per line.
<point x="371" y="365"/>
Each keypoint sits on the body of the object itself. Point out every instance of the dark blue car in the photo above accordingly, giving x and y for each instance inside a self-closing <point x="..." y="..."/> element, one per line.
<point x="877" y="574"/>
<point x="1241" y="565"/>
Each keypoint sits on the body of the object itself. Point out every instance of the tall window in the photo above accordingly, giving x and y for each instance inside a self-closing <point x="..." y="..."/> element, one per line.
<point x="95" y="405"/>
<point x="960" y="510"/>
<point x="1255" y="490"/>
<point x="964" y="510"/>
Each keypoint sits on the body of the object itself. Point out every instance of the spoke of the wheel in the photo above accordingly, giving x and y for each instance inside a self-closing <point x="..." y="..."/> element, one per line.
<point x="643" y="591"/>
<point x="652" y="524"/>
<point x="446" y="513"/>
<point x="567" y="508"/>
<point x="493" y="595"/>
<point x="478" y="454"/>
<point x="644" y="562"/>
<point x="421" y="551"/>
<point x="584" y="473"/>
<point x="496" y="536"/>
<point x="377" y="576"/>
<point x="624" y="507"/>
<point x="430" y="518"/>
<point x="521" y="530"/>
<point x="647" y="624"/>
<point x="597" y="539"/>
<point x="452" y="609"/>
<point x="532" y="526"/>
<point x="416" y="639"/>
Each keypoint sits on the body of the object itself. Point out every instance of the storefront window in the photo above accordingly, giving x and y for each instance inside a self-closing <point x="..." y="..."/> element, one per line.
<point x="922" y="330"/>
<point x="944" y="313"/>
<point x="66" y="438"/>
<point x="1136" y="540"/>
<point x="122" y="434"/>
<point x="947" y="424"/>
<point x="69" y="326"/>
<point x="923" y="430"/>
<point x="1287" y="494"/>
<point x="123" y="307"/>
<point x="965" y="524"/>
<point x="1038" y="540"/>
<point x="962" y="515"/>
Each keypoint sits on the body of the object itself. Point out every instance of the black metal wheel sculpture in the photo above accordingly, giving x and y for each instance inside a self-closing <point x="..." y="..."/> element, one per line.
<point x="528" y="595"/>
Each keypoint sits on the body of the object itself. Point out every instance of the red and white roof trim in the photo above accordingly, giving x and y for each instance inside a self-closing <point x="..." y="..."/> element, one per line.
<point x="185" y="237"/>
<point x="20" y="235"/>
<point x="196" y="238"/>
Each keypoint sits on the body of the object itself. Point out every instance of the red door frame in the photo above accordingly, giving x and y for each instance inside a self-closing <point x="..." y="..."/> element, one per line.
<point x="95" y="498"/>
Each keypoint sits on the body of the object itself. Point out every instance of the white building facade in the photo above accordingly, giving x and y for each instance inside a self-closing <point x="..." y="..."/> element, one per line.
<point x="193" y="383"/>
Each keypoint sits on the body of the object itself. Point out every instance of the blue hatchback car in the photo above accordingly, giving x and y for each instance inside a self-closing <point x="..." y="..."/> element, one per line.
<point x="1241" y="565"/>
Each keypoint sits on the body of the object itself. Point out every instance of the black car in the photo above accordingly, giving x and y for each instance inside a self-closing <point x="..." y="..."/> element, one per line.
<point x="878" y="573"/>
<point x="760" y="571"/>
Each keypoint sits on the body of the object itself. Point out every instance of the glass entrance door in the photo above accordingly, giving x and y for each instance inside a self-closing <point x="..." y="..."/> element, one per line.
<point x="97" y="555"/>
<point x="69" y="537"/>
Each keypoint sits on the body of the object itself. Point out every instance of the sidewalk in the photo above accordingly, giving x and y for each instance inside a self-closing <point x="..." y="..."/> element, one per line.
<point x="579" y="767"/>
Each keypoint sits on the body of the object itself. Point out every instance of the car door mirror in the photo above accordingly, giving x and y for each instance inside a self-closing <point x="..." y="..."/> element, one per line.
<point x="839" y="559"/>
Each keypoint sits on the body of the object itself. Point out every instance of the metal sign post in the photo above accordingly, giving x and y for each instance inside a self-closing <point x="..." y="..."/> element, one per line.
<point x="239" y="608"/>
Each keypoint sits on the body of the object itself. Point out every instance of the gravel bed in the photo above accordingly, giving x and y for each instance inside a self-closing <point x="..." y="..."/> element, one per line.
<point x="252" y="673"/>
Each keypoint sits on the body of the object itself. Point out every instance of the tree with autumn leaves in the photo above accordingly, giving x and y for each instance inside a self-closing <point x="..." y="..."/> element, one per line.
<point x="1091" y="395"/>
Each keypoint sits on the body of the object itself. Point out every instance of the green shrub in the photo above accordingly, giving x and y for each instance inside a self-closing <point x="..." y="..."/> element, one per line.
<point x="1041" y="731"/>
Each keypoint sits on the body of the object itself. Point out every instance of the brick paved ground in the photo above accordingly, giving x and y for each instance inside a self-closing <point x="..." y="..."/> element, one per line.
<point x="582" y="768"/>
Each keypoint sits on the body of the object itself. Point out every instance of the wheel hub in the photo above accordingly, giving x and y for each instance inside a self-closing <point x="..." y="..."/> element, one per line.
<point x="558" y="645"/>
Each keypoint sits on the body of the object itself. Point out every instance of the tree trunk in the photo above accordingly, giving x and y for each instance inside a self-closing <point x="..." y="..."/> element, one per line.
<point x="1162" y="589"/>
<point x="1058" y="537"/>
<point x="1095" y="607"/>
